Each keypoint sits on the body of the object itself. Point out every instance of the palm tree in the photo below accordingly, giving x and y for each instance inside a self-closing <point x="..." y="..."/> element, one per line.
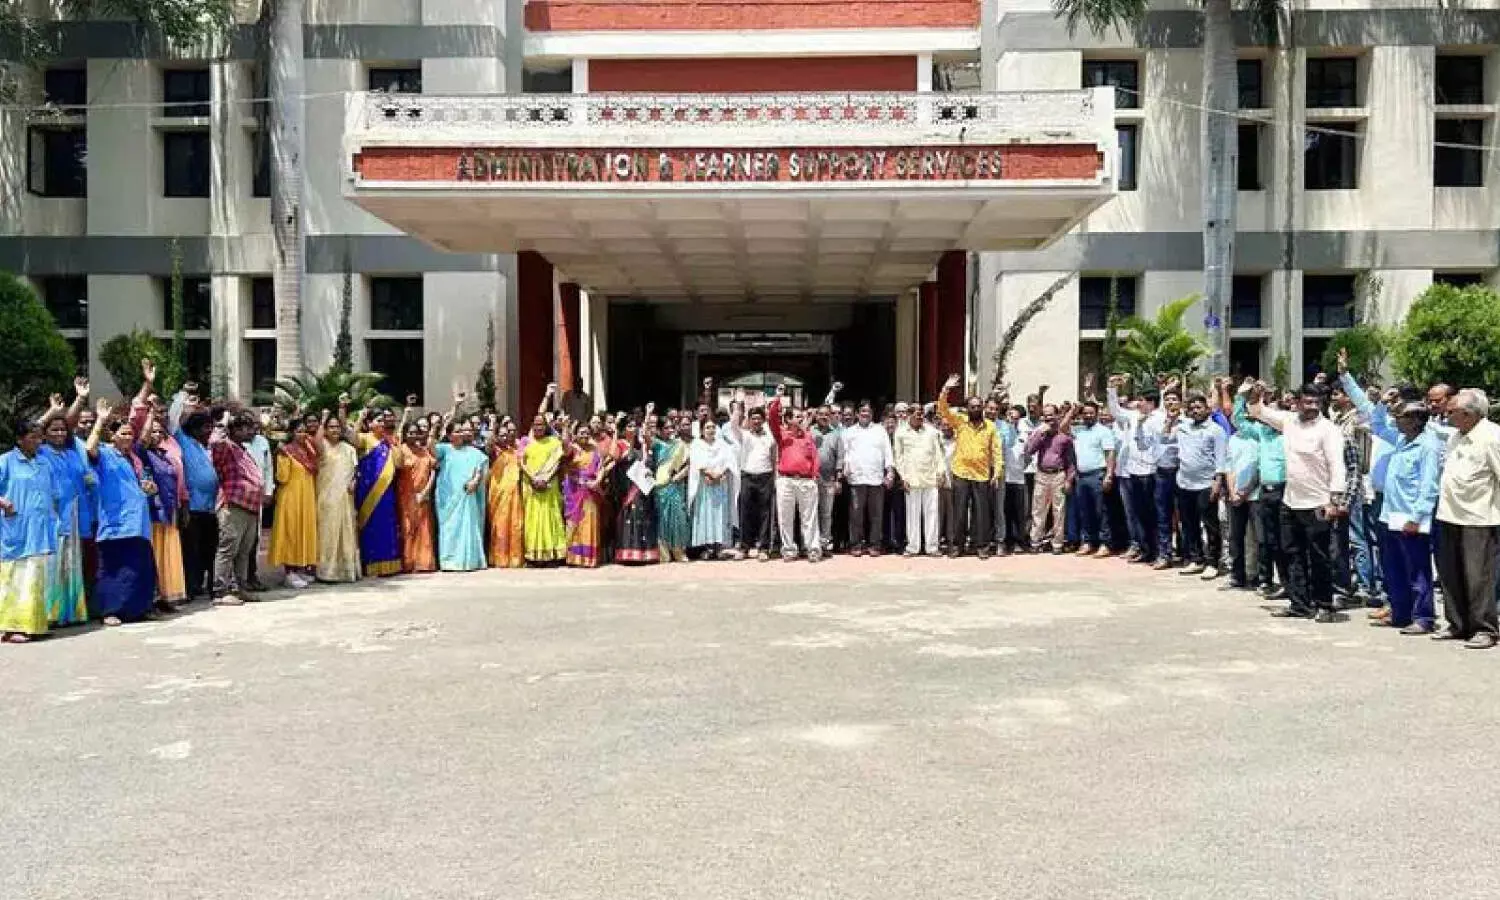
<point x="285" y="71"/>
<point x="1218" y="136"/>
<point x="1160" y="345"/>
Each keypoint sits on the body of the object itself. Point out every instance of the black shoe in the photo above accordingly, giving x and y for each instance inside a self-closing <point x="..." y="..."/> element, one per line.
<point x="1328" y="616"/>
<point x="1482" y="640"/>
<point x="1291" y="612"/>
<point x="1448" y="634"/>
<point x="1234" y="586"/>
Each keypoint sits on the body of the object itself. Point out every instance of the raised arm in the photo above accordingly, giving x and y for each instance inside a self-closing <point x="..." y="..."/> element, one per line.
<point x="833" y="393"/>
<point x="773" y="413"/>
<point x="548" y="396"/>
<point x="80" y="400"/>
<point x="55" y="409"/>
<point x="944" y="411"/>
<point x="1112" y="398"/>
<point x="91" y="446"/>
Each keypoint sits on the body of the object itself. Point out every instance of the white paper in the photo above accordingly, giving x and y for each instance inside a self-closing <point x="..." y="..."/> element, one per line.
<point x="641" y="477"/>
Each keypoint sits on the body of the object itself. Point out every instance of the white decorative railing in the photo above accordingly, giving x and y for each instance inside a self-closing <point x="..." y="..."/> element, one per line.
<point x="1038" y="114"/>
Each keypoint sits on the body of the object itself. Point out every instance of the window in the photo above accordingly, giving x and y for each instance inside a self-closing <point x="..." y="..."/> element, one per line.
<point x="1252" y="83"/>
<point x="1332" y="82"/>
<point x="1121" y="74"/>
<point x="1313" y="349"/>
<point x="1460" y="80"/>
<point x="1245" y="302"/>
<point x="1458" y="157"/>
<point x="560" y="81"/>
<point x="67" y="298"/>
<point x="65" y="87"/>
<point x="396" y="81"/>
<point x="58" y="161"/>
<point x="396" y="304"/>
<point x="200" y="360"/>
<point x="1327" y="301"/>
<point x="197" y="304"/>
<point x="1249" y="173"/>
<point x="1244" y="358"/>
<point x="185" y="93"/>
<point x="185" y="163"/>
<point x="260" y="151"/>
<point x="1458" y="279"/>
<point x="262" y="304"/>
<point x="262" y="363"/>
<point x="1331" y="158"/>
<point x="1129" y="137"/>
<point x="1094" y="295"/>
<point x="400" y="361"/>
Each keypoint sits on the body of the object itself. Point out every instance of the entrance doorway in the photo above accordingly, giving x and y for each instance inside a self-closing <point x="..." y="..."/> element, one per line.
<point x="662" y="352"/>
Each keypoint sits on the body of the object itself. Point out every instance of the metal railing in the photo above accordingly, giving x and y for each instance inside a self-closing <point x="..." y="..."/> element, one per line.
<point x="827" y="115"/>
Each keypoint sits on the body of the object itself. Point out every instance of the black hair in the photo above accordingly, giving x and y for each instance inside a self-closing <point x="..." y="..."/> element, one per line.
<point x="1196" y="397"/>
<point x="1153" y="396"/>
<point x="1018" y="409"/>
<point x="757" y="411"/>
<point x="1312" y="389"/>
<point x="194" y="421"/>
<point x="242" y="420"/>
<point x="26" y="425"/>
<point x="1089" y="403"/>
<point x="863" y="404"/>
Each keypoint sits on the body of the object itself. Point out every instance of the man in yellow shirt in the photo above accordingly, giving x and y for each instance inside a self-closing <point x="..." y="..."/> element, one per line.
<point x="978" y="462"/>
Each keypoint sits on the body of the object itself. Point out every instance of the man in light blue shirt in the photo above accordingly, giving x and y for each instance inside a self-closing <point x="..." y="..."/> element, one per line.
<point x="1094" y="450"/>
<point x="1242" y="490"/>
<point x="1364" y="522"/>
<point x="1270" y="477"/>
<point x="1201" y="454"/>
<point x="1413" y="474"/>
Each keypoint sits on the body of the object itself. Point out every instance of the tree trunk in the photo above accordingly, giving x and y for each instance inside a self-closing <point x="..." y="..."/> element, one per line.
<point x="287" y="85"/>
<point x="1220" y="174"/>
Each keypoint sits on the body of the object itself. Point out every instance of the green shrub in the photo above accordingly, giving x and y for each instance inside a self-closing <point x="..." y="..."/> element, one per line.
<point x="1368" y="347"/>
<point x="121" y="356"/>
<point x="1451" y="335"/>
<point x="38" y="362"/>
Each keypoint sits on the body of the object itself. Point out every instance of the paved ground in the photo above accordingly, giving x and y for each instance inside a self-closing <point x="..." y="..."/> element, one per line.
<point x="1031" y="728"/>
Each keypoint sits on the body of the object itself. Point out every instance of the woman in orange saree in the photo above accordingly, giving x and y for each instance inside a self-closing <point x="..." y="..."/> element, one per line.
<point x="416" y="474"/>
<point x="507" y="508"/>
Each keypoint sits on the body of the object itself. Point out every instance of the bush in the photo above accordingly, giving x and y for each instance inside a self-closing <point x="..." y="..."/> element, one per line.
<point x="1452" y="335"/>
<point x="38" y="362"/>
<point x="321" y="391"/>
<point x="1368" y="347"/>
<point x="121" y="356"/>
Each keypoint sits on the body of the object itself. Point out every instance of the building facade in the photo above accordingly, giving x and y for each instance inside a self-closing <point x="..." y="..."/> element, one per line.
<point x="458" y="176"/>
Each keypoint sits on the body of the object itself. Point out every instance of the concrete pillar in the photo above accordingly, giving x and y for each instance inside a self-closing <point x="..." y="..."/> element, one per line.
<point x="907" y="327"/>
<point x="927" y="328"/>
<point x="593" y="357"/>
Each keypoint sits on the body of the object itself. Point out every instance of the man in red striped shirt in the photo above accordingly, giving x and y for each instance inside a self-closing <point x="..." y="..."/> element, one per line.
<point x="241" y="492"/>
<point x="796" y="480"/>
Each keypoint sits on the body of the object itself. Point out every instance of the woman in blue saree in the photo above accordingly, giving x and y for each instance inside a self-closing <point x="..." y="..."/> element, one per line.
<point x="375" y="499"/>
<point x="462" y="469"/>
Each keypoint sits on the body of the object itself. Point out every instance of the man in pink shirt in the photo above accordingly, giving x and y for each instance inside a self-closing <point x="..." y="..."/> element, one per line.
<point x="796" y="480"/>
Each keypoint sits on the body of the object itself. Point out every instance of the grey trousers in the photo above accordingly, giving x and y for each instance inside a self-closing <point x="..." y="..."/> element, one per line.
<point x="798" y="498"/>
<point x="828" y="491"/>
<point x="1466" y="566"/>
<point x="238" y="531"/>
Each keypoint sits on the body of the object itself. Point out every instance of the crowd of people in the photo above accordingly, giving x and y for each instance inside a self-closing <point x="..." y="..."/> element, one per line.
<point x="1332" y="496"/>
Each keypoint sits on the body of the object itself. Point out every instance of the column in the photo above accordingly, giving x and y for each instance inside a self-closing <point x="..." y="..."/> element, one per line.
<point x="927" y="328"/>
<point x="565" y="320"/>
<point x="533" y="331"/>
<point x="593" y="326"/>
<point x="952" y="290"/>
<point x="907" y="328"/>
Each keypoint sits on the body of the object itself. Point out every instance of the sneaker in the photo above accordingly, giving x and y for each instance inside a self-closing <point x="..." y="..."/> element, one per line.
<point x="296" y="582"/>
<point x="1483" y="640"/>
<point x="1194" y="569"/>
<point x="1161" y="565"/>
<point x="1327" y="616"/>
<point x="762" y="556"/>
<point x="1210" y="573"/>
<point x="1103" y="553"/>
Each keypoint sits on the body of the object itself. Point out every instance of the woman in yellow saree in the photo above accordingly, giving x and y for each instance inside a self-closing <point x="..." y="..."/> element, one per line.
<point x="546" y="539"/>
<point x="507" y="508"/>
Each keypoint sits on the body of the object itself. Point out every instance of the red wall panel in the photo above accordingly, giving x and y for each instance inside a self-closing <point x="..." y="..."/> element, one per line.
<point x="712" y="15"/>
<point x="754" y="75"/>
<point x="534" y="333"/>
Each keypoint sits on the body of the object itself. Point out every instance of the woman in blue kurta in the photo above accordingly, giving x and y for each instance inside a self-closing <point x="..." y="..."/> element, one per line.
<point x="669" y="456"/>
<point x="462" y="469"/>
<point x="74" y="481"/>
<point x="28" y="535"/>
<point x="375" y="499"/>
<point x="125" y="590"/>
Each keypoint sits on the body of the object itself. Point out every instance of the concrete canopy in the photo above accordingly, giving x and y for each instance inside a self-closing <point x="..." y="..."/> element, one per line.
<point x="787" y="196"/>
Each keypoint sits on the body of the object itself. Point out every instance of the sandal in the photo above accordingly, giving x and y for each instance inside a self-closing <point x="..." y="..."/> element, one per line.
<point x="15" y="637"/>
<point x="112" y="621"/>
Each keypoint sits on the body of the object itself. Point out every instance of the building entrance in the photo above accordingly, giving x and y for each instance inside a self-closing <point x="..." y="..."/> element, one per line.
<point x="656" y="353"/>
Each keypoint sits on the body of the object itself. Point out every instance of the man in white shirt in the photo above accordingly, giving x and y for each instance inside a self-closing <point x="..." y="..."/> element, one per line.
<point x="921" y="463"/>
<point x="1468" y="519"/>
<point x="869" y="468"/>
<point x="1316" y="481"/>
<point x="757" y="485"/>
